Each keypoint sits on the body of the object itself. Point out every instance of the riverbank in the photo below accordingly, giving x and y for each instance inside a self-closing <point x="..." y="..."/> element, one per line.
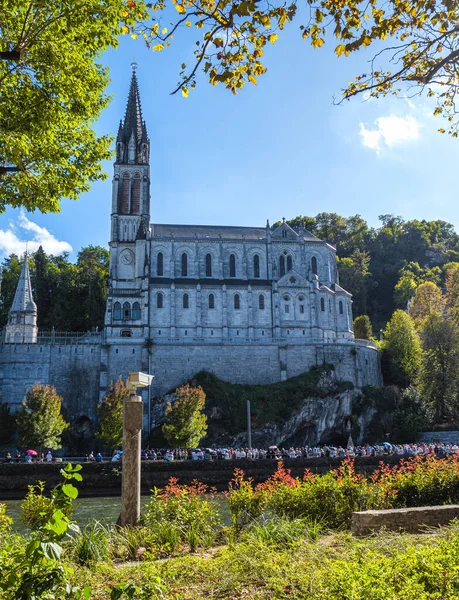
<point x="104" y="479"/>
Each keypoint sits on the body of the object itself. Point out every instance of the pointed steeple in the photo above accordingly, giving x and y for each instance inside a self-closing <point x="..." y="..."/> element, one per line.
<point x="22" y="317"/>
<point x="132" y="139"/>
<point x="23" y="298"/>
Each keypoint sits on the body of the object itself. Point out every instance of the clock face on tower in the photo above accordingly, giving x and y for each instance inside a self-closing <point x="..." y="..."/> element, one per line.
<point x="126" y="257"/>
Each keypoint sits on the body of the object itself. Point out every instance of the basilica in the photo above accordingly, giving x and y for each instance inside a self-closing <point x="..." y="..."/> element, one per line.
<point x="250" y="304"/>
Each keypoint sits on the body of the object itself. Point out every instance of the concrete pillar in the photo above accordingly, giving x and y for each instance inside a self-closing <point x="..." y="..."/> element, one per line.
<point x="132" y="431"/>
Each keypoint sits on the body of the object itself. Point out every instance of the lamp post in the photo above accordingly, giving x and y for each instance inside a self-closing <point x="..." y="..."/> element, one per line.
<point x="249" y="426"/>
<point x="132" y="437"/>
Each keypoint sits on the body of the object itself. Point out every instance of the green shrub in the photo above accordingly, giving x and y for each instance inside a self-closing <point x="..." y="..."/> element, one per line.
<point x="91" y="545"/>
<point x="5" y="520"/>
<point x="130" y="543"/>
<point x="36" y="508"/>
<point x="182" y="513"/>
<point x="281" y="531"/>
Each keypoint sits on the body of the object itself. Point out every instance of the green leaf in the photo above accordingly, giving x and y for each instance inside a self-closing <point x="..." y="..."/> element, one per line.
<point x="70" y="490"/>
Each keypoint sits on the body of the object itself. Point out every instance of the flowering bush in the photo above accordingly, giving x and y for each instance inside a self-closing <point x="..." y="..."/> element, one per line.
<point x="182" y="513"/>
<point x="245" y="502"/>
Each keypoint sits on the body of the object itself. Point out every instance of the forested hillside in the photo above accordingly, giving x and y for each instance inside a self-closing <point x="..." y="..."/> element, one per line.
<point x="69" y="297"/>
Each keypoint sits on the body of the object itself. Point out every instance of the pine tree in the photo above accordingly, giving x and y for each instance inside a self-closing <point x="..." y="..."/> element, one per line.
<point x="40" y="421"/>
<point x="110" y="413"/>
<point x="185" y="424"/>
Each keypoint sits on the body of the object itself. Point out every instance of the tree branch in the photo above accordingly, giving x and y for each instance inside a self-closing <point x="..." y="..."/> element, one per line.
<point x="11" y="55"/>
<point x="5" y="170"/>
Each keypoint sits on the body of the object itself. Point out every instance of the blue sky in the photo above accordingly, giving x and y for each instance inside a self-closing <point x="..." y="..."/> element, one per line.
<point x="279" y="149"/>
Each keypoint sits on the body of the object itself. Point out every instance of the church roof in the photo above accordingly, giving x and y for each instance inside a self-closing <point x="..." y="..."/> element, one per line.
<point x="227" y="232"/>
<point x="23" y="298"/>
<point x="202" y="232"/>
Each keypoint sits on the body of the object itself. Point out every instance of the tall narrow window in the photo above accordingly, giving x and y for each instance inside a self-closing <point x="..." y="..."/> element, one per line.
<point x="135" y="196"/>
<point x="256" y="266"/>
<point x="126" y="311"/>
<point x="289" y="263"/>
<point x="340" y="307"/>
<point x="237" y="301"/>
<point x="261" y="302"/>
<point x="322" y="304"/>
<point x="160" y="264"/>
<point x="136" y="311"/>
<point x="184" y="264"/>
<point x="211" y="301"/>
<point x="123" y="197"/>
<point x="232" y="265"/>
<point x="284" y="233"/>
<point x="159" y="300"/>
<point x="208" y="265"/>
<point x="314" y="265"/>
<point x="302" y="309"/>
<point x="186" y="301"/>
<point x="282" y="265"/>
<point x="117" y="311"/>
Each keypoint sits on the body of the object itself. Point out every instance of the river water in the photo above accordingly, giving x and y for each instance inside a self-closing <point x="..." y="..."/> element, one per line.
<point x="105" y="509"/>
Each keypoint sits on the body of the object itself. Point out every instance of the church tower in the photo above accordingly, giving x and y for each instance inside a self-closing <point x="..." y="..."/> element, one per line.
<point x="131" y="184"/>
<point x="22" y="318"/>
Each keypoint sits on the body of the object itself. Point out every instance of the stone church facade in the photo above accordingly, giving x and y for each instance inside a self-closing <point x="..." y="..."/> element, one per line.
<point x="251" y="304"/>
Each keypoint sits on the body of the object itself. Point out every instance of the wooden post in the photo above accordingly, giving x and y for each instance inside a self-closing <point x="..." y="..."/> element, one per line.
<point x="132" y="432"/>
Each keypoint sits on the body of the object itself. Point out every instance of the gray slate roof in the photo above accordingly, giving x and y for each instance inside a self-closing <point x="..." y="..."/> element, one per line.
<point x="214" y="232"/>
<point x="202" y="232"/>
<point x="23" y="298"/>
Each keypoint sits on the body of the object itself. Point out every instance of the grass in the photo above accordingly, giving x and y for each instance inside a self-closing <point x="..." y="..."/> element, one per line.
<point x="387" y="566"/>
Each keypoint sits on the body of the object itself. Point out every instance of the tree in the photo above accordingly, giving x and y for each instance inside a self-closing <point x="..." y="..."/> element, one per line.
<point x="10" y="271"/>
<point x="184" y="423"/>
<point x="440" y="366"/>
<point x="452" y="290"/>
<point x="419" y="37"/>
<point x="403" y="348"/>
<point x="53" y="90"/>
<point x="40" y="421"/>
<point x="362" y="327"/>
<point x="110" y="413"/>
<point x="7" y="424"/>
<point x="427" y="301"/>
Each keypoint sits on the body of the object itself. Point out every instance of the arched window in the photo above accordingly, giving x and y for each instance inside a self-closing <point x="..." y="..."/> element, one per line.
<point x="39" y="372"/>
<point x="256" y="266"/>
<point x="186" y="301"/>
<point x="211" y="301"/>
<point x="232" y="265"/>
<point x="135" y="311"/>
<point x="159" y="300"/>
<point x="282" y="265"/>
<point x="117" y="311"/>
<point x="322" y="304"/>
<point x="237" y="301"/>
<point x="208" y="265"/>
<point x="126" y="311"/>
<point x="160" y="264"/>
<point x="261" y="302"/>
<point x="123" y="195"/>
<point x="184" y="264"/>
<point x="135" y="196"/>
<point x="289" y="263"/>
<point x="314" y="265"/>
<point x="341" y="307"/>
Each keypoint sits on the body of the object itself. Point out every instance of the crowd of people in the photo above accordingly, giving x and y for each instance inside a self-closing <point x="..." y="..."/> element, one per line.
<point x="272" y="452"/>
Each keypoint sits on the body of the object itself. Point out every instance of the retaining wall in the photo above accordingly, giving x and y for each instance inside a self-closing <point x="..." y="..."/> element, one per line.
<point x="411" y="520"/>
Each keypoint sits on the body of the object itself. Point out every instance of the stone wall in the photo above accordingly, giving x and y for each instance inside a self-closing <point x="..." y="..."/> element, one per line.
<point x="73" y="369"/>
<point x="410" y="520"/>
<point x="447" y="437"/>
<point x="175" y="363"/>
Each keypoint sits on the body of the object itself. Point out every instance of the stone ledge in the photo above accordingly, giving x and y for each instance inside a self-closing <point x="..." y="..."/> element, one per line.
<point x="411" y="520"/>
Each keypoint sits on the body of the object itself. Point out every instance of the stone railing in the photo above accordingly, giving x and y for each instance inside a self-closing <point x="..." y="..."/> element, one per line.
<point x="410" y="520"/>
<point x="63" y="337"/>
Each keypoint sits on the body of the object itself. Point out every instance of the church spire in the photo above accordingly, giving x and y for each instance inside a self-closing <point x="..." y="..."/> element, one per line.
<point x="23" y="298"/>
<point x="22" y="317"/>
<point x="132" y="140"/>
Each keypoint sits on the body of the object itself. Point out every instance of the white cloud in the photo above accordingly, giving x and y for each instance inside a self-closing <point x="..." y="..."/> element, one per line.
<point x="12" y="239"/>
<point x="389" y="132"/>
